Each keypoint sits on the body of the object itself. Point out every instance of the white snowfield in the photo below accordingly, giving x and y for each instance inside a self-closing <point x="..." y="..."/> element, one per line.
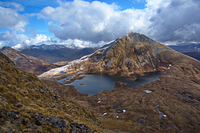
<point x="51" y="73"/>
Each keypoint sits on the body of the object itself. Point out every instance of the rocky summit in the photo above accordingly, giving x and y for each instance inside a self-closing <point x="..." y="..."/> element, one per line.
<point x="28" y="105"/>
<point x="171" y="104"/>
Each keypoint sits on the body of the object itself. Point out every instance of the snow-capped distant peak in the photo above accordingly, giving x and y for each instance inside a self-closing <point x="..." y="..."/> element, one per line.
<point x="19" y="47"/>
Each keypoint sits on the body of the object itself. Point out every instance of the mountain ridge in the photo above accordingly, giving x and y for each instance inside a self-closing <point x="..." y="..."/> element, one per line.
<point x="56" y="53"/>
<point x="27" y="63"/>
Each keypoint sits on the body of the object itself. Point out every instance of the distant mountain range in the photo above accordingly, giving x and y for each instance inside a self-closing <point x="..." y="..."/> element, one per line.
<point x="47" y="46"/>
<point x="56" y="53"/>
<point x="191" y="49"/>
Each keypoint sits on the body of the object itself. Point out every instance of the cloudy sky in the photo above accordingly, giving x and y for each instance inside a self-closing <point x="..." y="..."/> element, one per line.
<point x="94" y="23"/>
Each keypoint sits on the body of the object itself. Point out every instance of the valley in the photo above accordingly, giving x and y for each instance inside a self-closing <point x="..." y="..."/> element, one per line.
<point x="56" y="53"/>
<point x="170" y="104"/>
<point x="169" y="101"/>
<point x="92" y="84"/>
<point x="100" y="66"/>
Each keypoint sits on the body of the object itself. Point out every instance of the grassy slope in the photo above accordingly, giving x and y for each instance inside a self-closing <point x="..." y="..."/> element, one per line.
<point x="17" y="86"/>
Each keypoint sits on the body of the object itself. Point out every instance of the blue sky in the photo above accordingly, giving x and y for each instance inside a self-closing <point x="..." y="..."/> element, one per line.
<point x="94" y="23"/>
<point x="41" y="26"/>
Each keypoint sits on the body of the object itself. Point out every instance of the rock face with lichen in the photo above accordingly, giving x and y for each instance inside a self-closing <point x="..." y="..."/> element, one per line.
<point x="28" y="105"/>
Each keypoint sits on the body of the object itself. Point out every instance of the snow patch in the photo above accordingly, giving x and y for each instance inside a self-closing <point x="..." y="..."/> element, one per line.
<point x="104" y="113"/>
<point x="55" y="71"/>
<point x="161" y="114"/>
<point x="147" y="91"/>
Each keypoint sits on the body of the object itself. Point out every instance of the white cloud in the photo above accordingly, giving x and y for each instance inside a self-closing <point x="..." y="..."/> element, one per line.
<point x="92" y="24"/>
<point x="13" y="5"/>
<point x="96" y="21"/>
<point x="11" y="20"/>
<point x="189" y="32"/>
<point x="23" y="40"/>
<point x="39" y="38"/>
<point x="177" y="22"/>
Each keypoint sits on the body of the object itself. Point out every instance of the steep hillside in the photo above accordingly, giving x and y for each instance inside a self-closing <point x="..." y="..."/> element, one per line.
<point x="171" y="104"/>
<point x="27" y="63"/>
<point x="53" y="54"/>
<point x="28" y="105"/>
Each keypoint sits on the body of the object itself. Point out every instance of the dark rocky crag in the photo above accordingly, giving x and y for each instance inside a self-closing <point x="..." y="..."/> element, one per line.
<point x="28" y="105"/>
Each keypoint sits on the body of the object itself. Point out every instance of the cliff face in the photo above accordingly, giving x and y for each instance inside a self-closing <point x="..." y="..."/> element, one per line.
<point x="28" y="105"/>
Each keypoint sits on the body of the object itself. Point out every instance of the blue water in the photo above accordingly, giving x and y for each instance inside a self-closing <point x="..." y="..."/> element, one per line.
<point x="96" y="83"/>
<point x="61" y="80"/>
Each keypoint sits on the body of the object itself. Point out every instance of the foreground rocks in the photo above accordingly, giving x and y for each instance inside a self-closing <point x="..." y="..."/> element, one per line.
<point x="38" y="121"/>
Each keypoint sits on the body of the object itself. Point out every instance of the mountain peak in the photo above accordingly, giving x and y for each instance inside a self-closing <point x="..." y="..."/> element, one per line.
<point x="137" y="37"/>
<point x="133" y="53"/>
